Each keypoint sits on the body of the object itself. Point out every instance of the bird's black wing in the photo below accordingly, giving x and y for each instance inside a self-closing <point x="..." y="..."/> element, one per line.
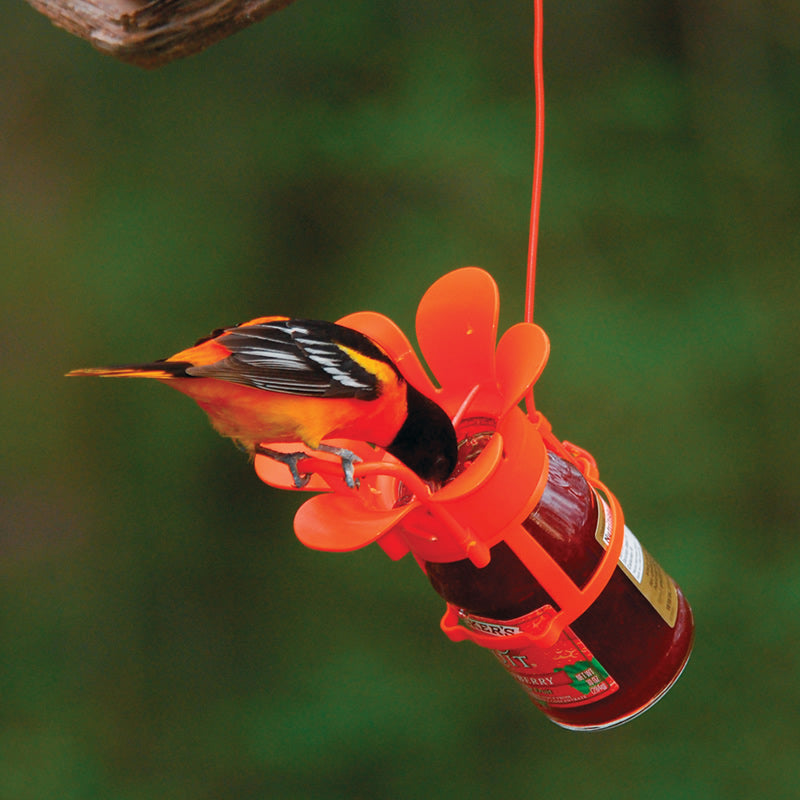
<point x="296" y="356"/>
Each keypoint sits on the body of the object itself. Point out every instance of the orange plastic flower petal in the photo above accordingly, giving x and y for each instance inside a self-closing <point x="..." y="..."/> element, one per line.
<point x="523" y="344"/>
<point x="457" y="332"/>
<point x="355" y="526"/>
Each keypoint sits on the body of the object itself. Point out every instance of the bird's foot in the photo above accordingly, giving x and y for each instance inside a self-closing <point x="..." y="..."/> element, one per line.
<point x="290" y="459"/>
<point x="349" y="460"/>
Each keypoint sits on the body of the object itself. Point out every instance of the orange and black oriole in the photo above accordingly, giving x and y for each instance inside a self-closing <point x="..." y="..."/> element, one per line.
<point x="276" y="379"/>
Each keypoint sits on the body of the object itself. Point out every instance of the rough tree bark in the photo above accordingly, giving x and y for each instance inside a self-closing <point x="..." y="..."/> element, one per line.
<point x="150" y="33"/>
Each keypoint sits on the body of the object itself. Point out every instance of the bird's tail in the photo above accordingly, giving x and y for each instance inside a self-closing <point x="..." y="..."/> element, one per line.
<point x="156" y="369"/>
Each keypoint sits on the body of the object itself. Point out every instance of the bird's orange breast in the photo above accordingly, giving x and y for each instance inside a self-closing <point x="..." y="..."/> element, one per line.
<point x="252" y="415"/>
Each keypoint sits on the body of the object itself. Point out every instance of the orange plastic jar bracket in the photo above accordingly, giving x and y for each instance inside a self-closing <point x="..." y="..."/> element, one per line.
<point x="571" y="600"/>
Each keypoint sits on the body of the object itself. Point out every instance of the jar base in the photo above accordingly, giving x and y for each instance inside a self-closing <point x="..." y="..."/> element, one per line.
<point x="614" y="723"/>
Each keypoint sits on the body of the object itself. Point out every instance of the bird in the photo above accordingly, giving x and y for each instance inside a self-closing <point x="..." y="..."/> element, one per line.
<point x="281" y="379"/>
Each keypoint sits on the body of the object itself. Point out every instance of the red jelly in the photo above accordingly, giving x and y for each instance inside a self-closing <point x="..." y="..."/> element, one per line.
<point x="617" y="658"/>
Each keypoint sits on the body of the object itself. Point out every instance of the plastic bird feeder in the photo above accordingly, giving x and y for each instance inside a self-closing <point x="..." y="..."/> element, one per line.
<point x="490" y="501"/>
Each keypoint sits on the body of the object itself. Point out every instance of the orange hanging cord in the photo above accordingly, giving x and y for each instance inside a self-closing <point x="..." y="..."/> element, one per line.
<point x="538" y="157"/>
<point x="538" y="167"/>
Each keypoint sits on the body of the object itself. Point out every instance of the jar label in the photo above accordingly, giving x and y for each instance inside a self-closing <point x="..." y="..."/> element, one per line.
<point x="644" y="571"/>
<point x="564" y="674"/>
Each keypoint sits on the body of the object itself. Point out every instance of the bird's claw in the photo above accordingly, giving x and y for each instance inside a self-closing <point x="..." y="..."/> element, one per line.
<point x="299" y="480"/>
<point x="348" y="458"/>
<point x="290" y="459"/>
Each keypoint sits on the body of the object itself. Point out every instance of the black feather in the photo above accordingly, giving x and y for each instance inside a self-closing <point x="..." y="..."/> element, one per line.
<point x="298" y="356"/>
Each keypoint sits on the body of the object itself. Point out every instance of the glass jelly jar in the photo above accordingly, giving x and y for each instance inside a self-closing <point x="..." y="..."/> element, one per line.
<point x="615" y="660"/>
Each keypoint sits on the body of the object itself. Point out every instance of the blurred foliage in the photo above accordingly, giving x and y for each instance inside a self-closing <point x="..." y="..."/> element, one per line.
<point x="164" y="635"/>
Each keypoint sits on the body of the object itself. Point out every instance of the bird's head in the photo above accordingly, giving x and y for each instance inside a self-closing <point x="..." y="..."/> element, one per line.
<point x="426" y="443"/>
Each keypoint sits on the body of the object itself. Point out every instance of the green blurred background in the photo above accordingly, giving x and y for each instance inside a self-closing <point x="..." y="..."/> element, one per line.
<point x="164" y="635"/>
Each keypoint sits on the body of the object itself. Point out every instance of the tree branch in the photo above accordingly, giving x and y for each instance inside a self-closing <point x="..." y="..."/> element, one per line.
<point x="150" y="33"/>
